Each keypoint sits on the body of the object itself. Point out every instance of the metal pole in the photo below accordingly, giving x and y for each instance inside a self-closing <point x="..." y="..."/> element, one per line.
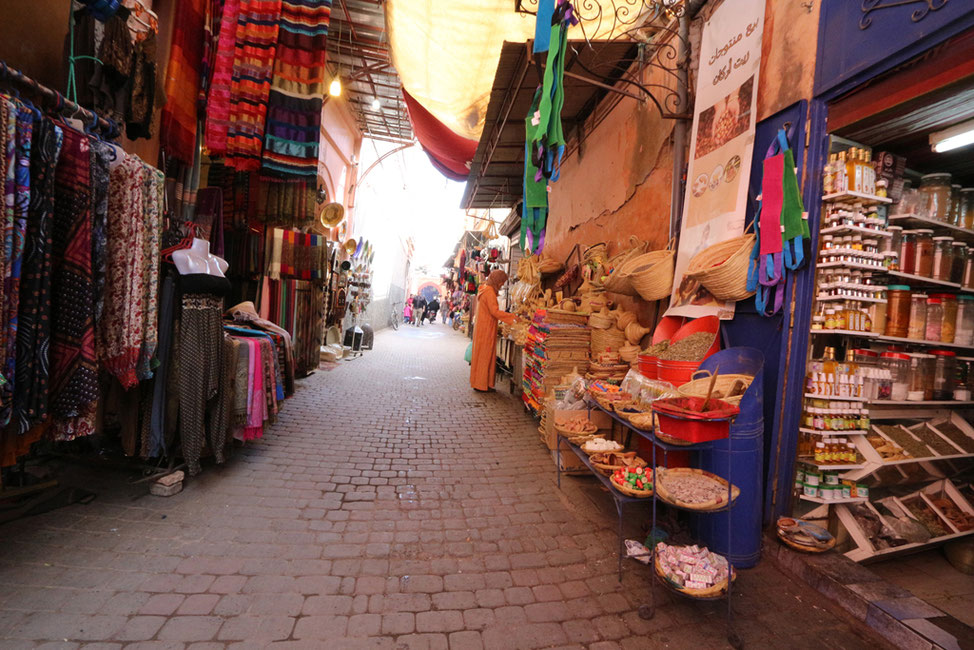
<point x="680" y="128"/>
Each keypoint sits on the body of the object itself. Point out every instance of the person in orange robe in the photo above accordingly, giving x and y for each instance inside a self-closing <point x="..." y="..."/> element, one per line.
<point x="483" y="361"/>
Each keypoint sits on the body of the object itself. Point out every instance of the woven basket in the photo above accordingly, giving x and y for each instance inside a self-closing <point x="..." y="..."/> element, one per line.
<point x="629" y="492"/>
<point x="573" y="434"/>
<point x="607" y="339"/>
<point x="652" y="278"/>
<point x="607" y="469"/>
<point x="591" y="451"/>
<point x="699" y="387"/>
<point x="802" y="547"/>
<point x="594" y="253"/>
<point x="645" y="421"/>
<point x="719" y="590"/>
<point x="601" y="320"/>
<point x="722" y="268"/>
<point x="674" y="500"/>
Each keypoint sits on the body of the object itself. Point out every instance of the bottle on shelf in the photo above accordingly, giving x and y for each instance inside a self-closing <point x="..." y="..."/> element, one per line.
<point x="828" y="176"/>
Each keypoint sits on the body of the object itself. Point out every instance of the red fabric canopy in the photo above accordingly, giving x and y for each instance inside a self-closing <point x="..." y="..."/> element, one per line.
<point x="450" y="153"/>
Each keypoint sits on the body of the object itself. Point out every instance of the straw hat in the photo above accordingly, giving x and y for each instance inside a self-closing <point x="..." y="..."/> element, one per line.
<point x="331" y="215"/>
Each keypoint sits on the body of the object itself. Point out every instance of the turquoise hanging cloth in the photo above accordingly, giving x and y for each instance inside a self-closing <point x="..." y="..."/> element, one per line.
<point x="781" y="227"/>
<point x="542" y="26"/>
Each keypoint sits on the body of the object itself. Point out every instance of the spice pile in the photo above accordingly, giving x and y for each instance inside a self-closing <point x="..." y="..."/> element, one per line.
<point x="902" y="437"/>
<point x="656" y="348"/>
<point x="956" y="436"/>
<point x="934" y="441"/>
<point x="636" y="479"/>
<point x="691" y="348"/>
<point x="888" y="450"/>
<point x="692" y="488"/>
<point x="960" y="519"/>
<point x="691" y="567"/>
<point x="926" y="516"/>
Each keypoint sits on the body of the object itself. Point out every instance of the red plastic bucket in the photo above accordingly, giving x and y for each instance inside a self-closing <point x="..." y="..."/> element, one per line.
<point x="679" y="417"/>
<point x="676" y="372"/>
<point x="667" y="327"/>
<point x="647" y="366"/>
<point x="680" y="372"/>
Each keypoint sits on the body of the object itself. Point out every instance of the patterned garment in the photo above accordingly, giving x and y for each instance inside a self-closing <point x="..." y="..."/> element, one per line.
<point x="8" y="165"/>
<point x="182" y="85"/>
<point x="34" y="332"/>
<point x="74" y="369"/>
<point x="218" y="102"/>
<point x="122" y="325"/>
<point x="200" y="352"/>
<point x="253" y="67"/>
<point x="294" y="104"/>
<point x="25" y="128"/>
<point x="102" y="155"/>
<point x="152" y="216"/>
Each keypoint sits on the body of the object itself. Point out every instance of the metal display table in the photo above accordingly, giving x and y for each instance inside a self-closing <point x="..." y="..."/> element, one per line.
<point x="620" y="499"/>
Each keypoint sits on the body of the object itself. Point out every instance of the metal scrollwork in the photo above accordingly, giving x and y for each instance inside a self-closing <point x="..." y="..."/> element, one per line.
<point x="609" y="19"/>
<point x="869" y="6"/>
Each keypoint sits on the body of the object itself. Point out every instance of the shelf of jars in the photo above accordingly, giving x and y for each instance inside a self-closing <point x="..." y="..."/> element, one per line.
<point x="834" y="230"/>
<point x="833" y="432"/>
<point x="850" y="196"/>
<point x="834" y="397"/>
<point x="919" y="221"/>
<point x="882" y="338"/>
<point x="928" y="402"/>
<point x="805" y="497"/>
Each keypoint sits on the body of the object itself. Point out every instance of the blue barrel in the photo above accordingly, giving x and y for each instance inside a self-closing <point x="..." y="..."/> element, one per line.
<point x="745" y="450"/>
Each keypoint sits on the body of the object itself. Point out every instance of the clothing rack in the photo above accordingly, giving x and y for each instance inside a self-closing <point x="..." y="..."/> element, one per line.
<point x="58" y="102"/>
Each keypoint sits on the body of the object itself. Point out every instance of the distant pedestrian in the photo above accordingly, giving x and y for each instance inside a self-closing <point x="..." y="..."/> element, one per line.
<point x="407" y="311"/>
<point x="419" y="309"/>
<point x="432" y="308"/>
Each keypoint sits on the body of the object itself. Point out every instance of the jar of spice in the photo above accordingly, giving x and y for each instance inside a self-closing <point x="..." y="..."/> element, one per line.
<point x="878" y="314"/>
<point x="943" y="258"/>
<point x="935" y="196"/>
<point x="918" y="317"/>
<point x="943" y="374"/>
<point x="908" y="251"/>
<point x="898" y="365"/>
<point x="923" y="263"/>
<point x="968" y="280"/>
<point x="953" y="216"/>
<point x="967" y="207"/>
<point x="964" y="334"/>
<point x="935" y="318"/>
<point x="959" y="257"/>
<point x="897" y="310"/>
<point x="948" y="322"/>
<point x="921" y="377"/>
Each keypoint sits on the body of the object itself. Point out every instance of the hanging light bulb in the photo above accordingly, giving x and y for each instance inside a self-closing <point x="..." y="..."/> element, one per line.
<point x="376" y="104"/>
<point x="335" y="89"/>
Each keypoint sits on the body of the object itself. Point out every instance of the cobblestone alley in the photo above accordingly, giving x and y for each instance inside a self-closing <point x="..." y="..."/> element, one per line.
<point x="389" y="507"/>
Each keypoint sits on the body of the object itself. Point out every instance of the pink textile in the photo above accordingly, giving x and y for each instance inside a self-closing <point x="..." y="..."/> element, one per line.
<point x="218" y="104"/>
<point x="772" y="197"/>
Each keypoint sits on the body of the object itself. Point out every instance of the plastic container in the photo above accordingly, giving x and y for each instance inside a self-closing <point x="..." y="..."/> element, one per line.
<point x="665" y="329"/>
<point x="897" y="310"/>
<point x="944" y="369"/>
<point x="680" y="372"/>
<point x="957" y="261"/>
<point x="921" y="377"/>
<point x="877" y="314"/>
<point x="948" y="322"/>
<point x="964" y="333"/>
<point x="935" y="318"/>
<point x="935" y="196"/>
<point x="908" y="251"/>
<point x="923" y="264"/>
<point x="943" y="258"/>
<point x="680" y="417"/>
<point x="918" y="317"/>
<point x="898" y="365"/>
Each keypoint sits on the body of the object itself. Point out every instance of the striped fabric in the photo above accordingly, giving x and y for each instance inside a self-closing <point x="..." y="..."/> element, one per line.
<point x="253" y="67"/>
<point x="178" y="131"/>
<point x="294" y="105"/>
<point x="218" y="102"/>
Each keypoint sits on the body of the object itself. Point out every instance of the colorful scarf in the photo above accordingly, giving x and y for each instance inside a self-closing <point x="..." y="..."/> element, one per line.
<point x="33" y="335"/>
<point x="124" y="321"/>
<point x="179" y="115"/>
<point x="74" y="369"/>
<point x="102" y="154"/>
<point x="253" y="66"/>
<point x="152" y="227"/>
<point x="218" y="103"/>
<point x="294" y="104"/>
<point x="9" y="163"/>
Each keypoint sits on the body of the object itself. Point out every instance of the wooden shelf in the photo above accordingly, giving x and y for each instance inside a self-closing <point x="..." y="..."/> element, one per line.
<point x="858" y="229"/>
<point x="886" y="402"/>
<point x="876" y="268"/>
<point x="832" y="468"/>
<point x="817" y="432"/>
<point x="844" y="298"/>
<point x="920" y="279"/>
<point x="915" y="219"/>
<point x="833" y="398"/>
<point x="892" y="339"/>
<point x="856" y="197"/>
<point x="833" y="501"/>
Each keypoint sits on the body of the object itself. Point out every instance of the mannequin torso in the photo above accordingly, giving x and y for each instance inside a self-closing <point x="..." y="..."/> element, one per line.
<point x="198" y="259"/>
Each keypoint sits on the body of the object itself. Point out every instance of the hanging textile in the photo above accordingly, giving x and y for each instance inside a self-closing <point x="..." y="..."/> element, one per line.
<point x="218" y="101"/>
<point x="142" y="89"/>
<point x="74" y="372"/>
<point x="294" y="104"/>
<point x="450" y="153"/>
<point x="33" y="335"/>
<point x="534" y="210"/>
<point x="179" y="119"/>
<point x="152" y="189"/>
<point x="253" y="66"/>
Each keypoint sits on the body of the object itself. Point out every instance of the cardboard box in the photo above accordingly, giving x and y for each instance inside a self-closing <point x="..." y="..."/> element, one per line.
<point x="601" y="420"/>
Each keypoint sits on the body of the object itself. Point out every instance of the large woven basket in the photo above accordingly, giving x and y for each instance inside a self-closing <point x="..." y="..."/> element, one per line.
<point x="629" y="492"/>
<point x="723" y="383"/>
<point x="711" y="593"/>
<point x="652" y="278"/>
<point x="674" y="499"/>
<point x="607" y="469"/>
<point x="722" y="268"/>
<point x="607" y="339"/>
<point x="618" y="281"/>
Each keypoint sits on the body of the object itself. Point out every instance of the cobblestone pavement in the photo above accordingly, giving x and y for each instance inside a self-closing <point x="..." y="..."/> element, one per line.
<point x="390" y="507"/>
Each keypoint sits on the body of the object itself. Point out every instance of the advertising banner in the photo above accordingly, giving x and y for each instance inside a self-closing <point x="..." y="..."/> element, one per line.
<point x="721" y="145"/>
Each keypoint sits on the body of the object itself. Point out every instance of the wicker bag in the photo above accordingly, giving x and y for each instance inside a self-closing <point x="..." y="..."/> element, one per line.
<point x="652" y="278"/>
<point x="618" y="280"/>
<point x="722" y="268"/>
<point x="607" y="339"/>
<point x="722" y="385"/>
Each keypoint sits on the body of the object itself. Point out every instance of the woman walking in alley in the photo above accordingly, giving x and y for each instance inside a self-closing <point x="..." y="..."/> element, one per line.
<point x="483" y="363"/>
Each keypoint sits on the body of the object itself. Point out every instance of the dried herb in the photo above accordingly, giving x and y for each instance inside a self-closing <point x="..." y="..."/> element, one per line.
<point x="934" y="441"/>
<point x="899" y="435"/>
<point x="957" y="436"/>
<point x="691" y="348"/>
<point x="927" y="517"/>
<point x="655" y="349"/>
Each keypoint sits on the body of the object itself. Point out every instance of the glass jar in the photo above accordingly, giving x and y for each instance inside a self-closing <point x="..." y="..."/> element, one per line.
<point x="908" y="251"/>
<point x="935" y="319"/>
<point x="897" y="310"/>
<point x="878" y="314"/>
<point x="957" y="261"/>
<point x="964" y="334"/>
<point x="965" y="378"/>
<point x="918" y="317"/>
<point x="891" y="248"/>
<point x="953" y="216"/>
<point x="943" y="374"/>
<point x="967" y="207"/>
<point x="898" y="365"/>
<point x="943" y="258"/>
<point x="935" y="196"/>
<point x="921" y="377"/>
<point x="968" y="280"/>
<point x="910" y="199"/>
<point x="923" y="263"/>
<point x="948" y="322"/>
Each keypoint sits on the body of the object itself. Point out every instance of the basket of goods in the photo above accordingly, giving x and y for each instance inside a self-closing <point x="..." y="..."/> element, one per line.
<point x="633" y="481"/>
<point x="617" y="279"/>
<point x="605" y="394"/>
<point x="606" y="339"/>
<point x="694" y="489"/>
<point x="629" y="353"/>
<point x="576" y="427"/>
<point x="652" y="277"/>
<point x="730" y="388"/>
<point x="694" y="419"/>
<point x="597" y="445"/>
<point x="645" y="421"/>
<point x="601" y="319"/>
<point x="722" y="268"/>
<point x="693" y="571"/>
<point x="804" y="536"/>
<point x="608" y="462"/>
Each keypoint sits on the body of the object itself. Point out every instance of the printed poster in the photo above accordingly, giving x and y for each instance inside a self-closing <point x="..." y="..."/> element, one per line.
<point x="721" y="146"/>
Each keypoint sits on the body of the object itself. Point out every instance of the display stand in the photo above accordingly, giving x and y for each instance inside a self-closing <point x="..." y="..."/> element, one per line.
<point x="648" y="611"/>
